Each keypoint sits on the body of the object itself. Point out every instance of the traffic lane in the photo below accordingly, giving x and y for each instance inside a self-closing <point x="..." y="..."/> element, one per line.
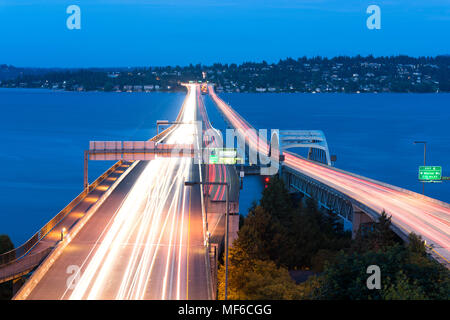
<point x="127" y="275"/>
<point x="163" y="259"/>
<point x="197" y="269"/>
<point x="386" y="196"/>
<point x="222" y="173"/>
<point x="431" y="209"/>
<point x="241" y="123"/>
<point x="381" y="197"/>
<point x="140" y="245"/>
<point x="408" y="213"/>
<point x="216" y="173"/>
<point x="169" y="271"/>
<point x="53" y="285"/>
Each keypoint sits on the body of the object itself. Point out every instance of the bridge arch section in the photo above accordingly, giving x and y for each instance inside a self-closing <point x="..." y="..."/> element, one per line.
<point x="314" y="140"/>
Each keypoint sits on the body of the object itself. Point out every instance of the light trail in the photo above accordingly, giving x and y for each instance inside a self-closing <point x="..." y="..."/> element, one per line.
<point x="409" y="212"/>
<point x="144" y="249"/>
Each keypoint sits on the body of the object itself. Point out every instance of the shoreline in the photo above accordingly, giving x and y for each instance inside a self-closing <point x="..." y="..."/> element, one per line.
<point x="220" y="92"/>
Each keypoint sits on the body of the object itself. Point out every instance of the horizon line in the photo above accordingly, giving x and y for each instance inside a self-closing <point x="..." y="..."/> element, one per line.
<point x="228" y="63"/>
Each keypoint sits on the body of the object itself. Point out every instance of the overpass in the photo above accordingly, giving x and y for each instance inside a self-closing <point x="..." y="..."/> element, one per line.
<point x="136" y="232"/>
<point x="358" y="199"/>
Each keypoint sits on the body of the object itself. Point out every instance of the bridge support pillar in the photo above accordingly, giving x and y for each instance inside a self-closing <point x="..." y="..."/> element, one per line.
<point x="359" y="218"/>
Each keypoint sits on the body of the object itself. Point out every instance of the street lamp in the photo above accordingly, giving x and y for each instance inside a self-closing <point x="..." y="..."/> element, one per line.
<point x="63" y="233"/>
<point x="193" y="183"/>
<point x="424" y="159"/>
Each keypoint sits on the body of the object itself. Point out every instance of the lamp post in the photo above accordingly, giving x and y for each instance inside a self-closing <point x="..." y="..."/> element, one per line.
<point x="63" y="233"/>
<point x="192" y="183"/>
<point x="424" y="160"/>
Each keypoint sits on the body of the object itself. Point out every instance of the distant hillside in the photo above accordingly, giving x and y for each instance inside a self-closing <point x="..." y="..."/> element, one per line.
<point x="318" y="74"/>
<point x="10" y="72"/>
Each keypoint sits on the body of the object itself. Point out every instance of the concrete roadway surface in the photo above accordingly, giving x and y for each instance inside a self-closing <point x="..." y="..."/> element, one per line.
<point x="146" y="241"/>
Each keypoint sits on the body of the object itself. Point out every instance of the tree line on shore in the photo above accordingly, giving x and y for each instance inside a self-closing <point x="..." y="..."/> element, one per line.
<point x="281" y="234"/>
<point x="356" y="74"/>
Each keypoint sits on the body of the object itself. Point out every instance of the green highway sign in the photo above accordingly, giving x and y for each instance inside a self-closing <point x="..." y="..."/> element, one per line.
<point x="430" y="173"/>
<point x="227" y="153"/>
<point x="213" y="159"/>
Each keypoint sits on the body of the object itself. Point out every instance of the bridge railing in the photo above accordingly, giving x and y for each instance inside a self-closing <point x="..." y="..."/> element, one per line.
<point x="22" y="250"/>
<point x="13" y="270"/>
<point x="384" y="184"/>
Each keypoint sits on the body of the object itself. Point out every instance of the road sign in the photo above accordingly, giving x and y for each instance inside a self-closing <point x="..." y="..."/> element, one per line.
<point x="222" y="156"/>
<point x="226" y="153"/>
<point x="213" y="159"/>
<point x="430" y="173"/>
<point x="227" y="161"/>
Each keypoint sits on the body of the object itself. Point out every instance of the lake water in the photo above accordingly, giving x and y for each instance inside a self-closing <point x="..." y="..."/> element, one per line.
<point x="44" y="134"/>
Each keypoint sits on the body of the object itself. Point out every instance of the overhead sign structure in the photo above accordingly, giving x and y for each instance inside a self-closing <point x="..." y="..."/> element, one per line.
<point x="430" y="173"/>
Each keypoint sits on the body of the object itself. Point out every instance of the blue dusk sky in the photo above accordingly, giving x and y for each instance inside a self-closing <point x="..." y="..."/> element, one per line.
<point x="179" y="32"/>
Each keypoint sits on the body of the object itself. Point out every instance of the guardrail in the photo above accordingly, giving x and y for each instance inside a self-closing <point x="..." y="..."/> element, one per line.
<point x="13" y="270"/>
<point x="22" y="250"/>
